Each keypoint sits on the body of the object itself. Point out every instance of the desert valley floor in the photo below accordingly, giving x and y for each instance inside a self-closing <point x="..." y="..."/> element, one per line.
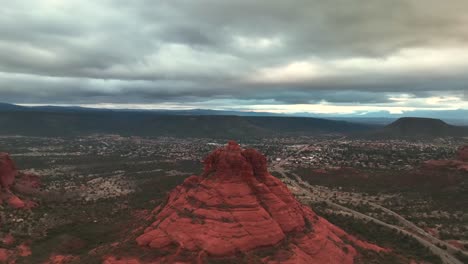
<point x="407" y="197"/>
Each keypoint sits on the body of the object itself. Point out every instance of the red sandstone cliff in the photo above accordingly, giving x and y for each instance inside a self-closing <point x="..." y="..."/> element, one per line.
<point x="236" y="206"/>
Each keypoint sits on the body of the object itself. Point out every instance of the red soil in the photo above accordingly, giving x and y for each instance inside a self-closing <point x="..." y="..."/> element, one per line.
<point x="61" y="259"/>
<point x="10" y="256"/>
<point x="5" y="255"/>
<point x="114" y="260"/>
<point x="8" y="240"/>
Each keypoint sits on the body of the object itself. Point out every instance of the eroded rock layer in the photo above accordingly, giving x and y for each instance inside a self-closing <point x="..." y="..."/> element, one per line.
<point x="236" y="206"/>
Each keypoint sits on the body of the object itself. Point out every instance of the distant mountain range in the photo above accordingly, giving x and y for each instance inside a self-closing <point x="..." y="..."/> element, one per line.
<point x="74" y="109"/>
<point x="454" y="117"/>
<point x="56" y="121"/>
<point x="73" y="121"/>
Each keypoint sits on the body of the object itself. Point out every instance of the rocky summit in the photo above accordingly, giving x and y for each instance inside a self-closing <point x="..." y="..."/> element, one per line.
<point x="237" y="206"/>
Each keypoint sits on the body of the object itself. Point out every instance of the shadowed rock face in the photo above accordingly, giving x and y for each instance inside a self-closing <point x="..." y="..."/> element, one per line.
<point x="236" y="206"/>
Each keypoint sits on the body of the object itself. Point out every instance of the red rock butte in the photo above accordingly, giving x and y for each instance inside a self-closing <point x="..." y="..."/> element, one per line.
<point x="237" y="206"/>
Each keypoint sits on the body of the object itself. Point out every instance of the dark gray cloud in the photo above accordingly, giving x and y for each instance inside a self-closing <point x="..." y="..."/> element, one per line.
<point x="279" y="52"/>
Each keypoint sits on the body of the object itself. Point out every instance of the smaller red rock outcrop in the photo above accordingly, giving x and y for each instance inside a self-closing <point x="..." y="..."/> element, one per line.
<point x="8" y="171"/>
<point x="12" y="180"/>
<point x="442" y="173"/>
<point x="235" y="207"/>
<point x="462" y="153"/>
<point x="460" y="163"/>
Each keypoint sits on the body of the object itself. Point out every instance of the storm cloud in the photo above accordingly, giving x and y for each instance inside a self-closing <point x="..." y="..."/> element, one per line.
<point x="228" y="54"/>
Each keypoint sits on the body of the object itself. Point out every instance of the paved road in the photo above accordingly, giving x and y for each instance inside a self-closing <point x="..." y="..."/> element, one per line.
<point x="411" y="226"/>
<point x="444" y="255"/>
<point x="415" y="232"/>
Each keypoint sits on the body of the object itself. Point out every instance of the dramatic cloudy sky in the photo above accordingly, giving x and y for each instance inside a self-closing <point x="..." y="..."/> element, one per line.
<point x="286" y="56"/>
